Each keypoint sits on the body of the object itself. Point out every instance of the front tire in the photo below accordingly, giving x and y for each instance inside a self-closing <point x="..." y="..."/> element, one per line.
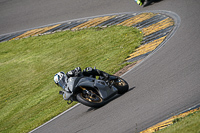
<point x="95" y="102"/>
<point x="121" y="85"/>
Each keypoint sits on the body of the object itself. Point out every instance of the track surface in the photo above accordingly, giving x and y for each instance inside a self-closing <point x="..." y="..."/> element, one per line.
<point x="164" y="84"/>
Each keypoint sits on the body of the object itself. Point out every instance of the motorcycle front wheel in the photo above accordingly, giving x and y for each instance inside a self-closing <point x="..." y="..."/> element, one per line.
<point x="94" y="100"/>
<point x="121" y="85"/>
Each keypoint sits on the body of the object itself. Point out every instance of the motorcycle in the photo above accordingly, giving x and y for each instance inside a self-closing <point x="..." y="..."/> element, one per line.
<point x="93" y="92"/>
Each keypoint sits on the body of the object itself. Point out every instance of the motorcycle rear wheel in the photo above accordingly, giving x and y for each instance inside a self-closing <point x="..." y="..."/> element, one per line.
<point x="121" y="85"/>
<point x="90" y="101"/>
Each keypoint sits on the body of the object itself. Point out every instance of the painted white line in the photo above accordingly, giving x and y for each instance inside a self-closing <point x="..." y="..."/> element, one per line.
<point x="55" y="117"/>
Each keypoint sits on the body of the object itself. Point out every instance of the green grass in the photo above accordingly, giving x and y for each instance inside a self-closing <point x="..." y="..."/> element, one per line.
<point x="189" y="124"/>
<point x="28" y="95"/>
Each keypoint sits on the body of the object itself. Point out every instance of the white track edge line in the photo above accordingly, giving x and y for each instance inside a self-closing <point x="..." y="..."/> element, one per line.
<point x="55" y="117"/>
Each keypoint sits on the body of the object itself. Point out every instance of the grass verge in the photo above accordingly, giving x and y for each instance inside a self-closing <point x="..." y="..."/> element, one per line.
<point x="28" y="95"/>
<point x="188" y="124"/>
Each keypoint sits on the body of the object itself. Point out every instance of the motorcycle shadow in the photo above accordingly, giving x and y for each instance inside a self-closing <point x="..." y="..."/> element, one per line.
<point x="109" y="100"/>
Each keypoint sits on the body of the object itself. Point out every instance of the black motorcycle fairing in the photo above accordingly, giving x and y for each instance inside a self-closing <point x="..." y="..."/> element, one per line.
<point x="100" y="86"/>
<point x="86" y="82"/>
<point x="104" y="90"/>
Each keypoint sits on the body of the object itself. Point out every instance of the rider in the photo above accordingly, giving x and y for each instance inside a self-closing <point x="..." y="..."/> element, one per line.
<point x="141" y="2"/>
<point x="60" y="78"/>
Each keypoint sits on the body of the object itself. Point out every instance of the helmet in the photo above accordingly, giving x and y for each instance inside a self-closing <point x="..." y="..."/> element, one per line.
<point x="60" y="79"/>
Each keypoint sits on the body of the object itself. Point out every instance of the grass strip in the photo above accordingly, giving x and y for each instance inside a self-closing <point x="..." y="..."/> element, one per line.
<point x="188" y="124"/>
<point x="28" y="95"/>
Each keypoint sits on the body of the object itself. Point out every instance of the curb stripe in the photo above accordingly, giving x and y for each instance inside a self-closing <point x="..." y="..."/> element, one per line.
<point x="115" y="20"/>
<point x="71" y="25"/>
<point x="146" y="48"/>
<point x="10" y="36"/>
<point x="92" y="23"/>
<point x="150" y="21"/>
<point x="169" y="121"/>
<point x="157" y="34"/>
<point x="35" y="32"/>
<point x="139" y="57"/>
<point x="136" y="19"/>
<point x="158" y="26"/>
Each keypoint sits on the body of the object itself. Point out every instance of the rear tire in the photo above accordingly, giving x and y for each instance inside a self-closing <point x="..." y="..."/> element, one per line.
<point x="98" y="102"/>
<point x="121" y="85"/>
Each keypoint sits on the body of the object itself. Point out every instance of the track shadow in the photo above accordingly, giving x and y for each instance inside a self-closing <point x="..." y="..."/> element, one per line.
<point x="151" y="2"/>
<point x="110" y="99"/>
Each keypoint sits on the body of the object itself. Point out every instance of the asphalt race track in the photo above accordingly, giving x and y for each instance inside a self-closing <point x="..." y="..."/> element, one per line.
<point x="163" y="84"/>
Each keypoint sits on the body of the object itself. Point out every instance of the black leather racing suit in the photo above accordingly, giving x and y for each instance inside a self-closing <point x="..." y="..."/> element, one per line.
<point x="88" y="71"/>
